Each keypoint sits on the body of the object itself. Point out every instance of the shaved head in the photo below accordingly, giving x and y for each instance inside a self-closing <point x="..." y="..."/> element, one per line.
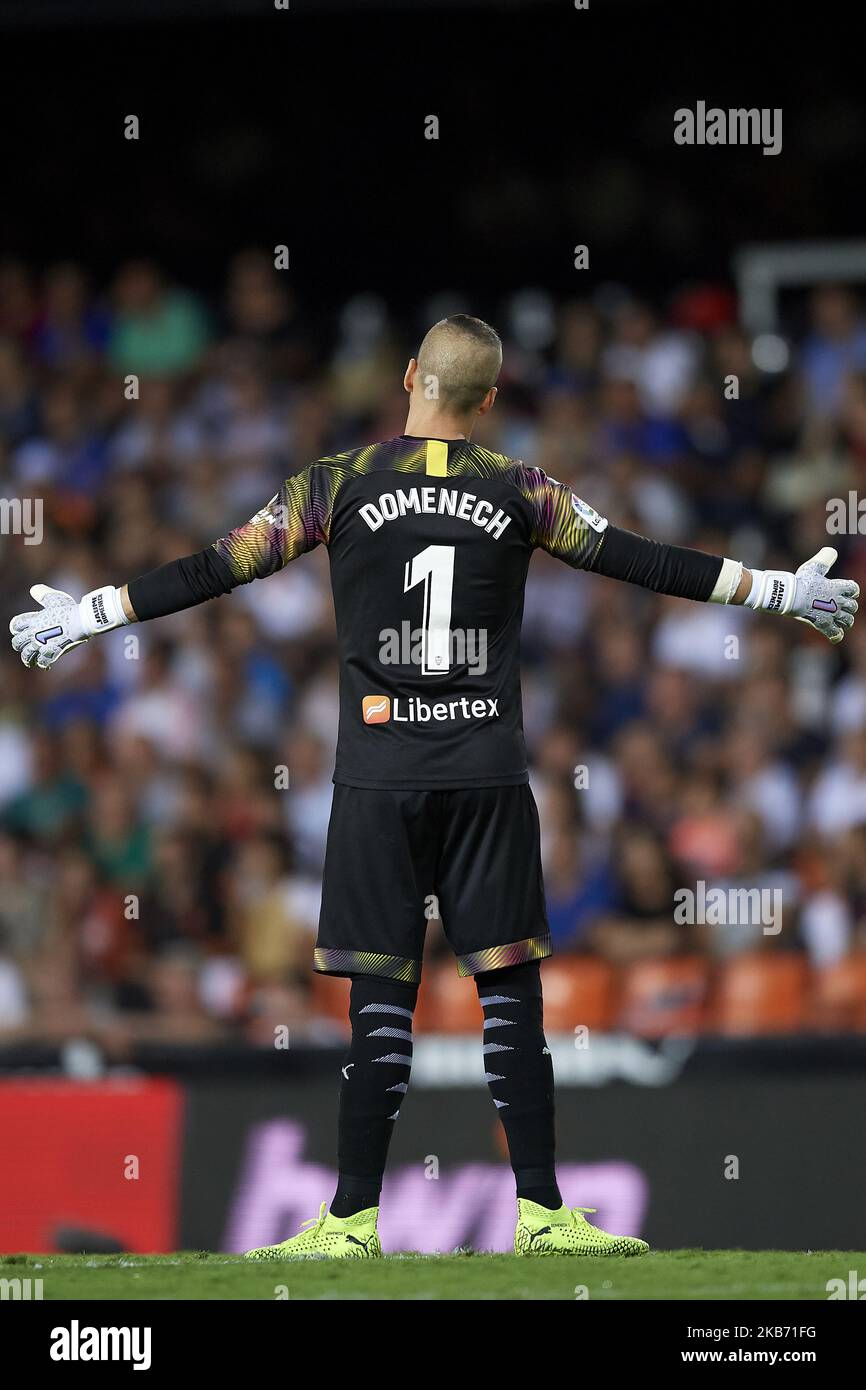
<point x="460" y="357"/>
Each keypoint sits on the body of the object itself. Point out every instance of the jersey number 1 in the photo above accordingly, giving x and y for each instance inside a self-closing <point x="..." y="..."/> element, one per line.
<point x="434" y="568"/>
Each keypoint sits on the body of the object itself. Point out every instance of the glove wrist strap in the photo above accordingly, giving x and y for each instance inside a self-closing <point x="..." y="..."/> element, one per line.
<point x="774" y="591"/>
<point x="101" y="610"/>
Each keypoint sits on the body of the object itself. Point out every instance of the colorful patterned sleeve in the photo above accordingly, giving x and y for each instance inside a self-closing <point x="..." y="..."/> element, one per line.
<point x="562" y="523"/>
<point x="297" y="519"/>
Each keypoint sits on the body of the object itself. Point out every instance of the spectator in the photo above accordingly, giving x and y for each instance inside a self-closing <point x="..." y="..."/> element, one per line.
<point x="164" y="796"/>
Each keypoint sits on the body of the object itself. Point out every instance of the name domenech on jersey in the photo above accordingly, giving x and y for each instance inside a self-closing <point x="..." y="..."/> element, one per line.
<point x="431" y="501"/>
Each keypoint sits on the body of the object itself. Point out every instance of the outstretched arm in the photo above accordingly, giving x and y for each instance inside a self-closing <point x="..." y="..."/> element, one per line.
<point x="294" y="521"/>
<point x="828" y="605"/>
<point x="567" y="527"/>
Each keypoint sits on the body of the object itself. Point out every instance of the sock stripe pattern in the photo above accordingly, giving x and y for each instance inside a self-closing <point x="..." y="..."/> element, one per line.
<point x="387" y="1009"/>
<point x="374" y="1082"/>
<point x="521" y="1086"/>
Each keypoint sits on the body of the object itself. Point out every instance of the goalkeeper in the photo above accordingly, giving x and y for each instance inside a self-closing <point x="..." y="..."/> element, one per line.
<point x="431" y="790"/>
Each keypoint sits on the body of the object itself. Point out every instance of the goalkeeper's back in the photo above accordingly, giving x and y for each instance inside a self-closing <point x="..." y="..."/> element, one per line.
<point x="429" y="543"/>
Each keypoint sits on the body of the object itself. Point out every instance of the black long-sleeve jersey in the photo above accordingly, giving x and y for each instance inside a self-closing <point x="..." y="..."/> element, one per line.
<point x="429" y="543"/>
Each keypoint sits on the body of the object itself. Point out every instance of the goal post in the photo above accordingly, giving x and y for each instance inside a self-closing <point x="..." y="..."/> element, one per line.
<point x="761" y="271"/>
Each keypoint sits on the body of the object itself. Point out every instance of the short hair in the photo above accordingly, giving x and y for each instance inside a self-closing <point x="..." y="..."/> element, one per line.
<point x="463" y="355"/>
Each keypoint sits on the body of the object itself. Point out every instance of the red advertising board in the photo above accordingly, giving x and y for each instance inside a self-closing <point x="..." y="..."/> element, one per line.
<point x="100" y="1157"/>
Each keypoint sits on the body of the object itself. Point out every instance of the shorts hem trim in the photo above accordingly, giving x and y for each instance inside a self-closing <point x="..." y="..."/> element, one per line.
<point x="328" y="960"/>
<point x="497" y="957"/>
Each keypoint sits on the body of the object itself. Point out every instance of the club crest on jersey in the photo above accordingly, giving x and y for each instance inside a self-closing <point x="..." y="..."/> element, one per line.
<point x="274" y="513"/>
<point x="589" y="514"/>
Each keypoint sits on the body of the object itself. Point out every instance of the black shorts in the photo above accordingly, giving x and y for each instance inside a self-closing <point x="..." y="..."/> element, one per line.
<point x="394" y="856"/>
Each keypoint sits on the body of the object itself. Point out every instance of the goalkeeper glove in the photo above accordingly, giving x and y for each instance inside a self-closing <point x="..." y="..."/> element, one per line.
<point x="64" y="623"/>
<point x="828" y="605"/>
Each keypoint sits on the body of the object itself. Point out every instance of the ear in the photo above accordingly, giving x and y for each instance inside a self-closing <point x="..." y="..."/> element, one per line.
<point x="487" y="403"/>
<point x="409" y="378"/>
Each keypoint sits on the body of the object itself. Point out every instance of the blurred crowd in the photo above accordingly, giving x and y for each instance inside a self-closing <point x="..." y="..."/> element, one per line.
<point x="164" y="792"/>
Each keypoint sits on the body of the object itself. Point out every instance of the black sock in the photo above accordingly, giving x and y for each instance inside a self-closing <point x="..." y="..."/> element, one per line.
<point x="548" y="1195"/>
<point x="375" y="1077"/>
<point x="519" y="1073"/>
<point x="355" y="1194"/>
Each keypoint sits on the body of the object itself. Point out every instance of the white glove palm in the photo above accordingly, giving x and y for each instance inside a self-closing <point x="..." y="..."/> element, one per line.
<point x="63" y="623"/>
<point x="827" y="605"/>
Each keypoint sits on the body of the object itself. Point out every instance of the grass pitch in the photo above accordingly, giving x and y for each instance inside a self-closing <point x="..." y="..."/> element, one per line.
<point x="668" y="1274"/>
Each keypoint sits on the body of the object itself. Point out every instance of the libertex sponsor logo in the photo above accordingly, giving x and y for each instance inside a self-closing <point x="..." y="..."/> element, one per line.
<point x="380" y="709"/>
<point x="377" y="709"/>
